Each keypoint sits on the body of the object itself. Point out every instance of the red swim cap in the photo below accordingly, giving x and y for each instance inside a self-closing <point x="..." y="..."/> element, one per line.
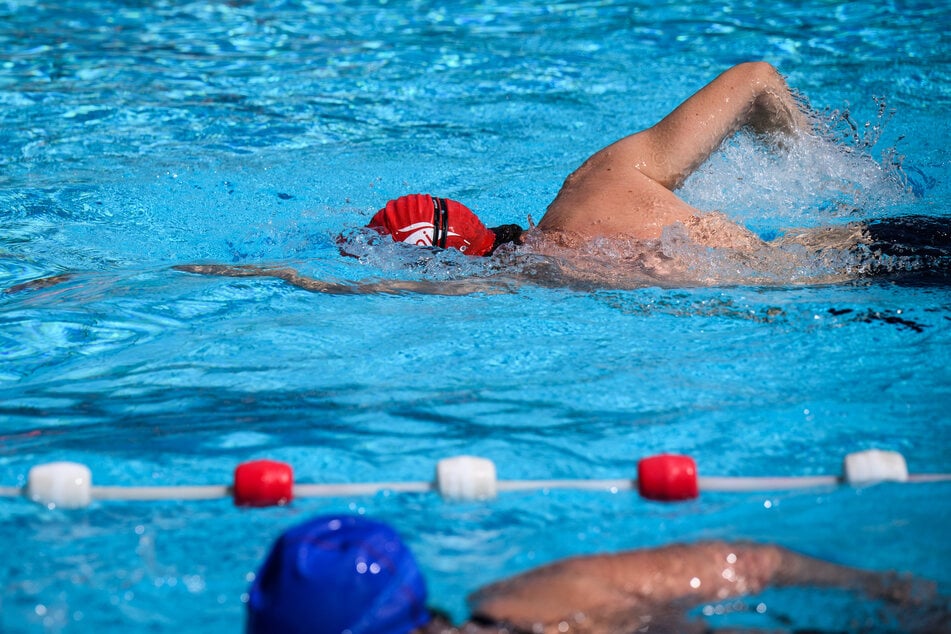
<point x="426" y="221"/>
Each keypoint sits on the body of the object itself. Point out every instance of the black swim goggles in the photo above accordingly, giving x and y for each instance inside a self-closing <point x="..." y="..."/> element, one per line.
<point x="440" y="222"/>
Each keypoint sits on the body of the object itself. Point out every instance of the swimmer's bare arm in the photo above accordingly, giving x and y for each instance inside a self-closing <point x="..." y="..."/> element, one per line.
<point x="752" y="95"/>
<point x="627" y="187"/>
<point x="659" y="581"/>
<point x="40" y="283"/>
<point x="385" y="287"/>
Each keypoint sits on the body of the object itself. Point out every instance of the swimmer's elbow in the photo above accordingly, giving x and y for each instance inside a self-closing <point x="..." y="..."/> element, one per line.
<point x="757" y="70"/>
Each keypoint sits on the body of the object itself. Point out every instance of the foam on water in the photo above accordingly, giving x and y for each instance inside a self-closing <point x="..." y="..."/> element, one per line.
<point x="809" y="180"/>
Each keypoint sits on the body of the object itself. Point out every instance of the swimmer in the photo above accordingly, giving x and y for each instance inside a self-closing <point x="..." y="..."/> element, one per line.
<point x="625" y="192"/>
<point x="347" y="573"/>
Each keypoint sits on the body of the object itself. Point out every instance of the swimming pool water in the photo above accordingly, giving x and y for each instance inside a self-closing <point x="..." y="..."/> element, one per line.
<point x="137" y="136"/>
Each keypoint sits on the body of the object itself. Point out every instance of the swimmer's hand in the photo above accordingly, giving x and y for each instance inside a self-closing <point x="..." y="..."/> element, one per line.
<point x="37" y="284"/>
<point x="384" y="287"/>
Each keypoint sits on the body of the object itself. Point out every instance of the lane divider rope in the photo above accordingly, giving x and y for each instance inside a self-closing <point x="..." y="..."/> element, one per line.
<point x="257" y="483"/>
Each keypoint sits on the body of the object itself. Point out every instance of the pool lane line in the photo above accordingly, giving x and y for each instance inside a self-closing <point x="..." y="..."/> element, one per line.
<point x="664" y="477"/>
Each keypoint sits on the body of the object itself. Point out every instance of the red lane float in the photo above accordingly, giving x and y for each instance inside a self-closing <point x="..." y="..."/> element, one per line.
<point x="667" y="478"/>
<point x="263" y="483"/>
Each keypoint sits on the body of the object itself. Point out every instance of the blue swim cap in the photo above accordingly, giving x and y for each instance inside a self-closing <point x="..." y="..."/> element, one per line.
<point x="337" y="574"/>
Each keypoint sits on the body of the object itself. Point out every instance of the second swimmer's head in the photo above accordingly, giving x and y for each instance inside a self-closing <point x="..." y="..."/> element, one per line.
<point x="425" y="220"/>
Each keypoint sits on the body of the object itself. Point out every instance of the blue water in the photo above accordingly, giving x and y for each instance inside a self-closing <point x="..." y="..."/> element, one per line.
<point x="143" y="135"/>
